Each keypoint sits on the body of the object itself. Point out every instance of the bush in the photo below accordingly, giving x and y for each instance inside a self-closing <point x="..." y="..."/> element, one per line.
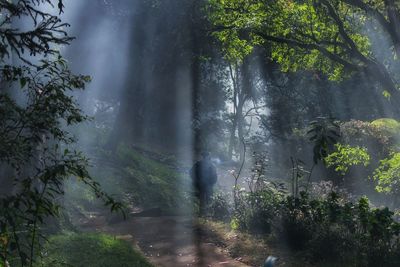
<point x="256" y="211"/>
<point x="327" y="228"/>
<point x="297" y="216"/>
<point x="332" y="243"/>
<point x="220" y="208"/>
<point x="336" y="230"/>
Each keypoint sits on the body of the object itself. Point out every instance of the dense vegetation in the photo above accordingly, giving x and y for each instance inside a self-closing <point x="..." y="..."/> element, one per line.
<point x="296" y="100"/>
<point x="327" y="228"/>
<point x="35" y="147"/>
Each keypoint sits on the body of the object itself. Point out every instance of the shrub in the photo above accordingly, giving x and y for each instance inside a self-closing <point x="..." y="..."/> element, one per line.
<point x="256" y="211"/>
<point x="336" y="230"/>
<point x="296" y="221"/>
<point x="220" y="207"/>
<point x="332" y="243"/>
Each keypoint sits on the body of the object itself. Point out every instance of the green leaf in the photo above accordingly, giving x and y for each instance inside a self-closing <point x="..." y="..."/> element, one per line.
<point x="386" y="94"/>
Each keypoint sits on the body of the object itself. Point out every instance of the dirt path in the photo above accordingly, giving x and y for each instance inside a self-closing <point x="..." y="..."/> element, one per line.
<point x="166" y="241"/>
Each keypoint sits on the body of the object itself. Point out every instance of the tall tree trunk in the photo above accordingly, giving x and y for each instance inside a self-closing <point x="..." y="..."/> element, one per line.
<point x="133" y="93"/>
<point x="232" y="137"/>
<point x="196" y="81"/>
<point x="240" y="128"/>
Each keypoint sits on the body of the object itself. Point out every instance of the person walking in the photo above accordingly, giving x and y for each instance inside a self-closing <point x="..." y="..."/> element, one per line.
<point x="204" y="177"/>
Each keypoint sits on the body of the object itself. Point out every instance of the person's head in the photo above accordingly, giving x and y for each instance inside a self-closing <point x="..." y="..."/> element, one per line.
<point x="205" y="155"/>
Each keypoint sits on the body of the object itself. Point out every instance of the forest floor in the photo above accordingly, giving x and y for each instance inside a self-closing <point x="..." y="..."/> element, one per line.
<point x="167" y="241"/>
<point x="174" y="241"/>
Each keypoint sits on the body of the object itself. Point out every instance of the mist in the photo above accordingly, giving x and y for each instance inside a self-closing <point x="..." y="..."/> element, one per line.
<point x="199" y="133"/>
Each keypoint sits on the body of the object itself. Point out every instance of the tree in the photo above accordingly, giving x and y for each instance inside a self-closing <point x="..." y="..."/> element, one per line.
<point x="186" y="96"/>
<point x="243" y="80"/>
<point x="331" y="37"/>
<point x="36" y="106"/>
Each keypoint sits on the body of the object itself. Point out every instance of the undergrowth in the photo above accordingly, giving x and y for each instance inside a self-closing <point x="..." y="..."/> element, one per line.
<point x="142" y="181"/>
<point x="327" y="230"/>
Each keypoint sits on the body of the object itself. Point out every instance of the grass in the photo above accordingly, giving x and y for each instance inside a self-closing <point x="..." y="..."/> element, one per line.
<point x="90" y="250"/>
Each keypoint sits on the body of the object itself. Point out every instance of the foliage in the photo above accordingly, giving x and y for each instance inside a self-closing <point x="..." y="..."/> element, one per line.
<point x="258" y="179"/>
<point x="299" y="173"/>
<point x="89" y="249"/>
<point x="327" y="228"/>
<point x="311" y="35"/>
<point x="387" y="175"/>
<point x="346" y="156"/>
<point x="48" y="30"/>
<point x="235" y="47"/>
<point x="36" y="106"/>
<point x="355" y="234"/>
<point x="278" y="21"/>
<point x="256" y="210"/>
<point x="389" y="126"/>
<point x="356" y="132"/>
<point x="380" y="139"/>
<point x="219" y="208"/>
<point x="324" y="133"/>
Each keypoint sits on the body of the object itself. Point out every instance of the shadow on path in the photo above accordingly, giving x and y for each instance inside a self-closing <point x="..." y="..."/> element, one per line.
<point x="167" y="241"/>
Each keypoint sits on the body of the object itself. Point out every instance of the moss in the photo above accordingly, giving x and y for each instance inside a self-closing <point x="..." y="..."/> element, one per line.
<point x="137" y="160"/>
<point x="150" y="182"/>
<point x="90" y="250"/>
<point x="387" y="125"/>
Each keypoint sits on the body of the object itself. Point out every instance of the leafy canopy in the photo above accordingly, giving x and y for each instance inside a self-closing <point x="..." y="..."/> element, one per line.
<point x="302" y="35"/>
<point x="332" y="37"/>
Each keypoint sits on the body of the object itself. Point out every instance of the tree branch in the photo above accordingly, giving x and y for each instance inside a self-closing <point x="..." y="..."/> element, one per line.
<point x="386" y="25"/>
<point x="343" y="32"/>
<point x="309" y="46"/>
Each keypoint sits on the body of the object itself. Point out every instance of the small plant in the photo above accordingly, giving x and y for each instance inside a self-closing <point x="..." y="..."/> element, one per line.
<point x="258" y="178"/>
<point x="324" y="133"/>
<point x="299" y="173"/>
<point x="220" y="208"/>
<point x="256" y="211"/>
